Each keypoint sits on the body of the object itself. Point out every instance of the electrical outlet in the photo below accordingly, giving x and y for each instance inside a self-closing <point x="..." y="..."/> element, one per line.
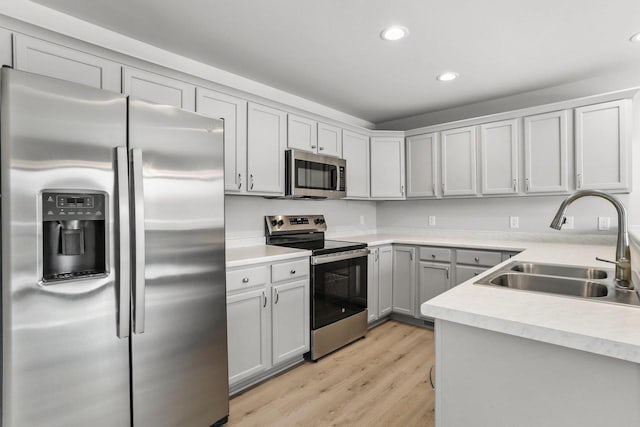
<point x="361" y="219"/>
<point x="432" y="220"/>
<point x="604" y="222"/>
<point x="568" y="223"/>
<point x="514" y="222"/>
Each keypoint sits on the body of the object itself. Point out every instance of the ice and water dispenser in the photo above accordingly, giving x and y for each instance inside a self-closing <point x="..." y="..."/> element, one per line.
<point x="74" y="235"/>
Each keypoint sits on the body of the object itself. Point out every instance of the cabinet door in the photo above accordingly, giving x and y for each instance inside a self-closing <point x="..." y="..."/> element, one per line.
<point x="234" y="113"/>
<point x="434" y="280"/>
<point x="404" y="283"/>
<point x="499" y="143"/>
<point x="459" y="162"/>
<point x="48" y="59"/>
<point x="158" y="89"/>
<point x="5" y="48"/>
<point x="329" y="140"/>
<point x="385" y="281"/>
<point x="422" y="165"/>
<point x="290" y="320"/>
<point x="266" y="142"/>
<point x="545" y="153"/>
<point x="355" y="150"/>
<point x="372" y="284"/>
<point x="467" y="272"/>
<point x="602" y="146"/>
<point x="387" y="168"/>
<point x="303" y="133"/>
<point x="248" y="329"/>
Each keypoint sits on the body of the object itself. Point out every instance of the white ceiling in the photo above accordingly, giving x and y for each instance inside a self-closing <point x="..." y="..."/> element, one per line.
<point x="330" y="51"/>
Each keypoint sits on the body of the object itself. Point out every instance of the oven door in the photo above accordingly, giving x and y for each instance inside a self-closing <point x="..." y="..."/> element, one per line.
<point x="339" y="285"/>
<point x="315" y="176"/>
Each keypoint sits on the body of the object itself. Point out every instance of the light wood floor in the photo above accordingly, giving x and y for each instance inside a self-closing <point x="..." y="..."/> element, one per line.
<point x="381" y="380"/>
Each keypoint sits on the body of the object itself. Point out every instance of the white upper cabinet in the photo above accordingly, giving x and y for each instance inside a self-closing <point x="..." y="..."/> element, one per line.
<point x="5" y="48"/>
<point x="387" y="168"/>
<point x="459" y="162"/>
<point x="266" y="142"/>
<point x="355" y="150"/>
<point x="303" y="133"/>
<point x="329" y="140"/>
<point x="602" y="146"/>
<point x="234" y="113"/>
<point x="52" y="60"/>
<point x="545" y="153"/>
<point x="422" y="161"/>
<point x="158" y="89"/>
<point x="499" y="143"/>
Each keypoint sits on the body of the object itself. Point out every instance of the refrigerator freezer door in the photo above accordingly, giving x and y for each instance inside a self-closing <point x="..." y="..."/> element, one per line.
<point x="62" y="361"/>
<point x="179" y="361"/>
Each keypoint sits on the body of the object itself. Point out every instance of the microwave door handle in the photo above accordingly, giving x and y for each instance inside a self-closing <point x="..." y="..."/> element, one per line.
<point x="138" y="235"/>
<point x="334" y="178"/>
<point x="123" y="249"/>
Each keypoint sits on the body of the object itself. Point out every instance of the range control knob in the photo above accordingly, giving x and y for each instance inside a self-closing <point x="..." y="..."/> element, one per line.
<point x="319" y="221"/>
<point x="274" y="222"/>
<point x="280" y="223"/>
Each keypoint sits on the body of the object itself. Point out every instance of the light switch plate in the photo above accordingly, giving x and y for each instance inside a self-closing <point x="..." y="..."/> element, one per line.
<point x="432" y="220"/>
<point x="514" y="222"/>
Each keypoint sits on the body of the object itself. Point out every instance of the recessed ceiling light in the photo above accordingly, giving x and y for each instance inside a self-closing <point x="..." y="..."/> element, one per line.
<point x="393" y="33"/>
<point x="635" y="37"/>
<point x="448" y="76"/>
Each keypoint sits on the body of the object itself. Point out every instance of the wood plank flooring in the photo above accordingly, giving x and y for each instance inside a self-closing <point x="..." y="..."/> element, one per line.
<point x="382" y="380"/>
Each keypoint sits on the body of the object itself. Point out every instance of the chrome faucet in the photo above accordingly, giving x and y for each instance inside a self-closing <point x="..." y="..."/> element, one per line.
<point x="623" y="255"/>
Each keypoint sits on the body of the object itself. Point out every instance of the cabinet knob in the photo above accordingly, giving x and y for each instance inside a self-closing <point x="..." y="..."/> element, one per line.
<point x="321" y="148"/>
<point x="293" y="272"/>
<point x="433" y="256"/>
<point x="476" y="259"/>
<point x="313" y="146"/>
<point x="245" y="280"/>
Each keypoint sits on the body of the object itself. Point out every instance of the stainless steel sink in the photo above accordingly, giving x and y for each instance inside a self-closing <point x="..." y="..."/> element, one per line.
<point x="595" y="284"/>
<point x="552" y="285"/>
<point x="559" y="270"/>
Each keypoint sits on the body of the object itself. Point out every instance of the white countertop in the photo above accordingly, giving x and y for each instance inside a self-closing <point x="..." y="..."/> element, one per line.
<point x="237" y="257"/>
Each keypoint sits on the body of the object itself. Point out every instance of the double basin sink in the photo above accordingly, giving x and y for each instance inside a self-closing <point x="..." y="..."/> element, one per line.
<point x="595" y="284"/>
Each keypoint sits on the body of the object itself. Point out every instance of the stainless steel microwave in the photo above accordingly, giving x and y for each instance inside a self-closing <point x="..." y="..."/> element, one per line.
<point x="314" y="176"/>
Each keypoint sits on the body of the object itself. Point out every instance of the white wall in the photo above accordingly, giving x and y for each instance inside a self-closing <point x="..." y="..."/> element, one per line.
<point x="245" y="216"/>
<point x="492" y="214"/>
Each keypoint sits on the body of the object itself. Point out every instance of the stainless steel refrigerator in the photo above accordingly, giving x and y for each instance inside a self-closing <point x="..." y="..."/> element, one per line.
<point x="113" y="280"/>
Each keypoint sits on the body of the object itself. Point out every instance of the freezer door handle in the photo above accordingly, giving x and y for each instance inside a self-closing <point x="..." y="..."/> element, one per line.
<point x="138" y="236"/>
<point x="124" y="255"/>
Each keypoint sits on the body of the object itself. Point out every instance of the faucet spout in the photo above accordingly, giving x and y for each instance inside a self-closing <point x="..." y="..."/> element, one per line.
<point x="623" y="256"/>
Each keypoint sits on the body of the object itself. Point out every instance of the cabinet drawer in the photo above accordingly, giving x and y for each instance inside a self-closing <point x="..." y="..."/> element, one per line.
<point x="486" y="258"/>
<point x="464" y="273"/>
<point x="247" y="278"/>
<point x="290" y="270"/>
<point x="435" y="254"/>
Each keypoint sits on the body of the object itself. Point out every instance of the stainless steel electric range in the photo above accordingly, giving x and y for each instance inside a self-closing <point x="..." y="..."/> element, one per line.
<point x="338" y="280"/>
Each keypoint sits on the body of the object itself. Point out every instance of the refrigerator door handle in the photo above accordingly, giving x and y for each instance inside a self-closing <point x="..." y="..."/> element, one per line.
<point x="138" y="236"/>
<point x="124" y="255"/>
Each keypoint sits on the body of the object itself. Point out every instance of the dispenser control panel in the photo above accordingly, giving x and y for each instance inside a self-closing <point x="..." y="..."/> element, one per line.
<point x="67" y="206"/>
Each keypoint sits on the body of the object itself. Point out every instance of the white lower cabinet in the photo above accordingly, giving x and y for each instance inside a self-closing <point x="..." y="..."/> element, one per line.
<point x="268" y="321"/>
<point x="434" y="280"/>
<point x="380" y="282"/>
<point x="404" y="280"/>
<point x="468" y="272"/>
<point x="248" y="334"/>
<point x="290" y="320"/>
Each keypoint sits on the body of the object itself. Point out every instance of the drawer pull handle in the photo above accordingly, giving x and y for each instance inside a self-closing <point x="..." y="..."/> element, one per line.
<point x="476" y="259"/>
<point x="433" y="256"/>
<point x="293" y="272"/>
<point x="476" y="273"/>
<point x="245" y="280"/>
<point x="265" y="299"/>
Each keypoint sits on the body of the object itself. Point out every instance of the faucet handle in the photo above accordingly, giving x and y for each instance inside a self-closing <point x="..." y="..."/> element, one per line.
<point x="622" y="262"/>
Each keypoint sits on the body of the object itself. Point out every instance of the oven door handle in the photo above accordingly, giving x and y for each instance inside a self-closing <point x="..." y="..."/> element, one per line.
<point x="340" y="256"/>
